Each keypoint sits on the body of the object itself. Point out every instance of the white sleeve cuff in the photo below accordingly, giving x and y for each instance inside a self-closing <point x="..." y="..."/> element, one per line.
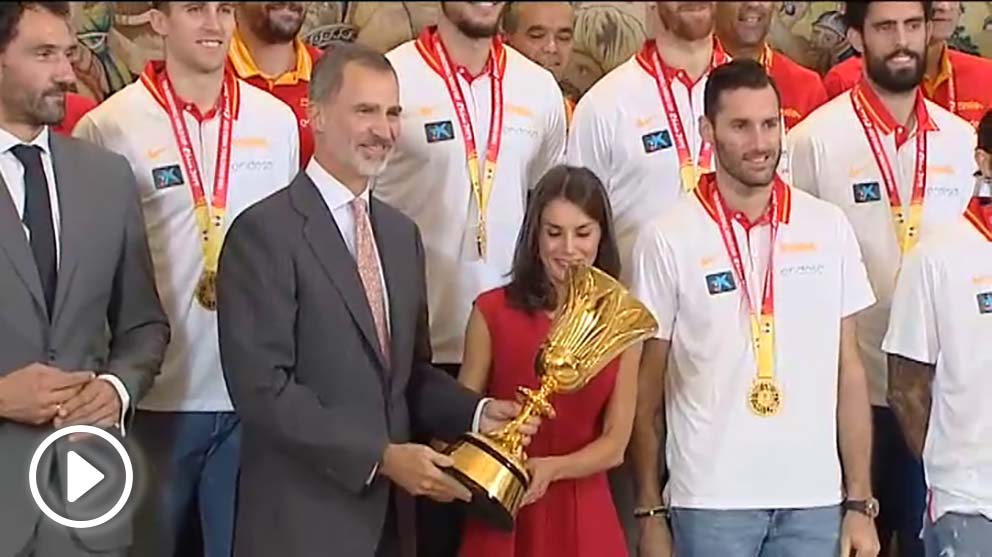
<point x="371" y="477"/>
<point x="122" y="394"/>
<point x="478" y="414"/>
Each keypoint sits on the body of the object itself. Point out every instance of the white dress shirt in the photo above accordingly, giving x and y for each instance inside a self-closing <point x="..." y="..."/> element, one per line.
<point x="12" y="172"/>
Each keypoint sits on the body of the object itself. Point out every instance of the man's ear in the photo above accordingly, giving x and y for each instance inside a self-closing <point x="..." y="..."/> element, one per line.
<point x="159" y="21"/>
<point x="706" y="129"/>
<point x="856" y="39"/>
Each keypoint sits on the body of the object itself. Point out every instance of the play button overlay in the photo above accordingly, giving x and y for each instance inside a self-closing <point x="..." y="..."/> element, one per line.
<point x="81" y="476"/>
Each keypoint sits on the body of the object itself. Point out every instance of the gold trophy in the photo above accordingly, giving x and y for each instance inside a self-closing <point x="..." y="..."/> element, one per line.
<point x="597" y="320"/>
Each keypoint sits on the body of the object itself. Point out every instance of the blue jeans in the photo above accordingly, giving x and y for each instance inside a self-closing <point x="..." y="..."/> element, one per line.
<point x="959" y="535"/>
<point x="813" y="532"/>
<point x="192" y="461"/>
<point x="899" y="483"/>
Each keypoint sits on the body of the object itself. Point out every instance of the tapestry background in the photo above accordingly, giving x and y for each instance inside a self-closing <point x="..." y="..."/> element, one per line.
<point x="118" y="39"/>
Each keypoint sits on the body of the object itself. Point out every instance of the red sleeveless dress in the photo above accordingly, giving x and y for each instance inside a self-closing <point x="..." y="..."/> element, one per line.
<point x="575" y="518"/>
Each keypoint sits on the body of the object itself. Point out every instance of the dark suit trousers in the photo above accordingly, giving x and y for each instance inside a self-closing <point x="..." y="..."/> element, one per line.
<point x="439" y="525"/>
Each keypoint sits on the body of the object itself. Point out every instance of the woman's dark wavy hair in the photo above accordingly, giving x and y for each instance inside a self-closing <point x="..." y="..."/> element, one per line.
<point x="530" y="288"/>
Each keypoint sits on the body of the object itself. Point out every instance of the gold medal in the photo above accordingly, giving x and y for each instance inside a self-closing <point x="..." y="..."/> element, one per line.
<point x="765" y="397"/>
<point x="206" y="290"/>
<point x="690" y="176"/>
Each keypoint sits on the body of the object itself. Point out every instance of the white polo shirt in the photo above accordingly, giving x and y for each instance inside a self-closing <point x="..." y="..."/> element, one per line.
<point x="264" y="158"/>
<point x="620" y="131"/>
<point x="942" y="315"/>
<point x="831" y="158"/>
<point x="720" y="455"/>
<point x="427" y="177"/>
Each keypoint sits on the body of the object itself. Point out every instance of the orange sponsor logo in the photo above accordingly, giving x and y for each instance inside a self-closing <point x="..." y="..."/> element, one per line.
<point x="858" y="171"/>
<point x="251" y="143"/>
<point x="791" y="113"/>
<point x="944" y="169"/>
<point x="707" y="262"/>
<point x="521" y="111"/>
<point x="799" y="247"/>
<point x="645" y="121"/>
<point x="154" y="154"/>
<point x="982" y="280"/>
<point x="425" y="111"/>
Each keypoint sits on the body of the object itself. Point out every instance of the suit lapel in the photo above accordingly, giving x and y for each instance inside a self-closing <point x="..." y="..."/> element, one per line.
<point x="321" y="232"/>
<point x="71" y="196"/>
<point x="15" y="245"/>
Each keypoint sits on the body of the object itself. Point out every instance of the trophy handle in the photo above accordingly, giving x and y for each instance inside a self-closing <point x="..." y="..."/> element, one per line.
<point x="536" y="404"/>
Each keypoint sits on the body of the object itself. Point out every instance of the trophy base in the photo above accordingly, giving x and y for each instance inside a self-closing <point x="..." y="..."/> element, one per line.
<point x="497" y="480"/>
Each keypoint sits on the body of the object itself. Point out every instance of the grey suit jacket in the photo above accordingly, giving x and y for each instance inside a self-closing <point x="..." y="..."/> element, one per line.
<point x="106" y="318"/>
<point x="317" y="403"/>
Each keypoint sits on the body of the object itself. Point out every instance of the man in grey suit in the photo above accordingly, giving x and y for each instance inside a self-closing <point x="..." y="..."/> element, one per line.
<point x="82" y="332"/>
<point x="324" y="342"/>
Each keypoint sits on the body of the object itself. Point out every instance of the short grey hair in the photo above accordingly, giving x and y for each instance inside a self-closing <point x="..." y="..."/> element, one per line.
<point x="328" y="74"/>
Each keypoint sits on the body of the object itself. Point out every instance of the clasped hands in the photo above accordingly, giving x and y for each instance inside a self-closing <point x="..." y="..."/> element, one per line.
<point x="38" y="394"/>
<point x="419" y="469"/>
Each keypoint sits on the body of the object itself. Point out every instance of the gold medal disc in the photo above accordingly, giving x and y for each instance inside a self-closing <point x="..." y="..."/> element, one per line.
<point x="765" y="398"/>
<point x="690" y="177"/>
<point x="206" y="290"/>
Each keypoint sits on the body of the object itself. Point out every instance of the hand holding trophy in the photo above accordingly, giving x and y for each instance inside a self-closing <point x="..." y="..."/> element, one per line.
<point x="595" y="323"/>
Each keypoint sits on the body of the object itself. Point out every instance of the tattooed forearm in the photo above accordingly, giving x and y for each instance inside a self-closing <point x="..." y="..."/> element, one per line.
<point x="909" y="396"/>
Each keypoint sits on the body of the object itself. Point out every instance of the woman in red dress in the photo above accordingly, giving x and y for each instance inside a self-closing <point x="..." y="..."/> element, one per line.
<point x="568" y="510"/>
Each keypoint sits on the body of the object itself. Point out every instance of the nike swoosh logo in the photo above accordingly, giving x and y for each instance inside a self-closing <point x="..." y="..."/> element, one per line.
<point x="858" y="171"/>
<point x="644" y="122"/>
<point x="155" y="153"/>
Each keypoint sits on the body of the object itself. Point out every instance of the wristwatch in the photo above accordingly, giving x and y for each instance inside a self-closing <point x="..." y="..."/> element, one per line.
<point x="868" y="507"/>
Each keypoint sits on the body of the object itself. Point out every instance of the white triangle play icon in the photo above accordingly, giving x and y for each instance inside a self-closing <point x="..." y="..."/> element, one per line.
<point x="82" y="477"/>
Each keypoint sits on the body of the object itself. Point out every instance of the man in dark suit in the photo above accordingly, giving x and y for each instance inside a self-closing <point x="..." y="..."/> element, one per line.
<point x="82" y="332"/>
<point x="324" y="342"/>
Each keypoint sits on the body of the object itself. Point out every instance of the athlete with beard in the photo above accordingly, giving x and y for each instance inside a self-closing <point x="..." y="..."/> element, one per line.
<point x="743" y="31"/>
<point x="267" y="52"/>
<point x="481" y="125"/>
<point x="638" y="127"/>
<point x="955" y="80"/>
<point x="898" y="165"/>
<point x="768" y="423"/>
<point x="242" y="145"/>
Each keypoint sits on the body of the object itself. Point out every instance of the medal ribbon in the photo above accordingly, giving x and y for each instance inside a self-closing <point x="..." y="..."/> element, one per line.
<point x="209" y="220"/>
<point x="763" y="323"/>
<point x="482" y="186"/>
<point x="906" y="223"/>
<point x="689" y="170"/>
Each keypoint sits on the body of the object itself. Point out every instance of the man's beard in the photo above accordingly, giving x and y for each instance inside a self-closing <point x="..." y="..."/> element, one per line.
<point x="686" y="31"/>
<point x="899" y="81"/>
<point x="44" y="109"/>
<point x="734" y="166"/>
<point x="277" y="30"/>
<point x="471" y="29"/>
<point x="369" y="168"/>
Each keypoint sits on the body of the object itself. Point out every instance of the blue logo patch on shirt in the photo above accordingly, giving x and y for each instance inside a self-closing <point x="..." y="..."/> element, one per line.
<point x="167" y="176"/>
<point x="718" y="283"/>
<point x="866" y="192"/>
<point x="656" y="141"/>
<point x="439" y="131"/>
<point x="985" y="302"/>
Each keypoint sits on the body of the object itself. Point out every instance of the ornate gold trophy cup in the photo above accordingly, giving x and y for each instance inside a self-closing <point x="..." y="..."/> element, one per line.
<point x="597" y="321"/>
